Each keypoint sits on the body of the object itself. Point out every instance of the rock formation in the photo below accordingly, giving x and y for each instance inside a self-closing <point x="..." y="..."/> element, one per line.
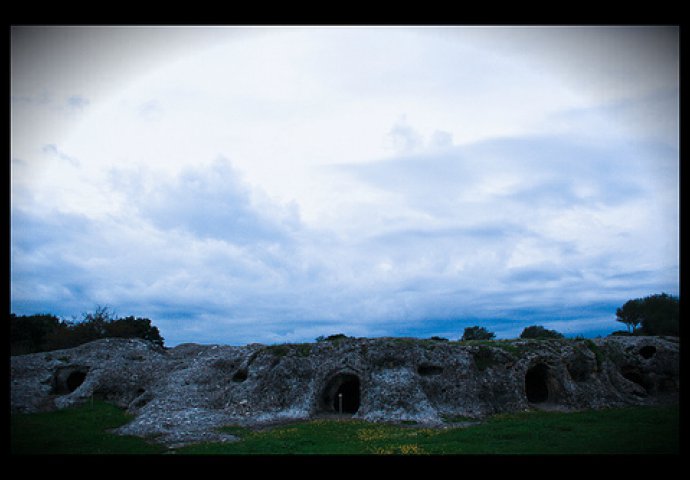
<point x="184" y="394"/>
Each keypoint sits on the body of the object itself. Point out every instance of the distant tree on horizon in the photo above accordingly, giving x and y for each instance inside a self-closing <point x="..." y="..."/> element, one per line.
<point x="477" y="333"/>
<point x="330" y="338"/>
<point x="657" y="314"/>
<point x="539" y="332"/>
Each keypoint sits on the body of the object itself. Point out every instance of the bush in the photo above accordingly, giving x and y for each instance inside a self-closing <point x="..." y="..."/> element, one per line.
<point x="477" y="333"/>
<point x="131" y="327"/>
<point x="331" y="338"/>
<point x="539" y="332"/>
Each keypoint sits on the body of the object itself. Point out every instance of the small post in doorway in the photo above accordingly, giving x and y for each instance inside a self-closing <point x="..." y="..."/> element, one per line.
<point x="340" y="403"/>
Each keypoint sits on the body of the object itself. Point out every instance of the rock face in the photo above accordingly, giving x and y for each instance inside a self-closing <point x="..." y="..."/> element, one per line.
<point x="183" y="394"/>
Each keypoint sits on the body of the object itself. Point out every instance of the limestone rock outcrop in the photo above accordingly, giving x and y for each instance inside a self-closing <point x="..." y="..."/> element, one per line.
<point x="184" y="394"/>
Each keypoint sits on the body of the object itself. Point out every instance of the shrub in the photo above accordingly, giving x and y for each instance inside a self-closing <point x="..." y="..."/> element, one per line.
<point x="477" y="333"/>
<point x="539" y="332"/>
<point x="332" y="338"/>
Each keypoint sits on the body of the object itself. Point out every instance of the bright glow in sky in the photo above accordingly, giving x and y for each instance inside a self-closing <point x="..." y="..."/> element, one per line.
<point x="270" y="184"/>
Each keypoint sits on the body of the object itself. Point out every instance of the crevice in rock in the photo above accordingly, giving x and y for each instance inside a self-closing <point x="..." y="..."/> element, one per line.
<point x="635" y="375"/>
<point x="426" y="370"/>
<point x="240" y="376"/>
<point x="579" y="371"/>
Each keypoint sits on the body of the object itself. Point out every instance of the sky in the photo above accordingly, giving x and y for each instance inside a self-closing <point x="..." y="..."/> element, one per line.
<point x="277" y="183"/>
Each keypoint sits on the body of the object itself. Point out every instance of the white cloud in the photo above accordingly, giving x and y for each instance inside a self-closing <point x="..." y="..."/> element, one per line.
<point x="404" y="138"/>
<point x="300" y="182"/>
<point x="54" y="151"/>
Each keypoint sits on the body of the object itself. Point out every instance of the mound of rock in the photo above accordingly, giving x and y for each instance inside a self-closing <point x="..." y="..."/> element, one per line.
<point x="183" y="394"/>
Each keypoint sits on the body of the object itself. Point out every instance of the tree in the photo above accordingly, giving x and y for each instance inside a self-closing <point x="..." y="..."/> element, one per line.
<point x="656" y="314"/>
<point x="661" y="315"/>
<point x="40" y="333"/>
<point x="539" y="332"/>
<point x="28" y="333"/>
<point x="131" y="327"/>
<point x="477" y="333"/>
<point x="630" y="314"/>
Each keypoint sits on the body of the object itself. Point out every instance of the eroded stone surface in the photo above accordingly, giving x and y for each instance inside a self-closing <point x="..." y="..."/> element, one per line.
<point x="182" y="395"/>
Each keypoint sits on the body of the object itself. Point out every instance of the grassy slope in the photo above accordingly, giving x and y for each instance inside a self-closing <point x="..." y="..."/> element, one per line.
<point x="80" y="430"/>
<point x="628" y="431"/>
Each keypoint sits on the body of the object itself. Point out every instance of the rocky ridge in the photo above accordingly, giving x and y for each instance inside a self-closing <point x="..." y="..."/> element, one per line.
<point x="183" y="394"/>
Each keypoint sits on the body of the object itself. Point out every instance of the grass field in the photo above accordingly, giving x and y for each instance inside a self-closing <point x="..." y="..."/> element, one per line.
<point x="81" y="430"/>
<point x="616" y="431"/>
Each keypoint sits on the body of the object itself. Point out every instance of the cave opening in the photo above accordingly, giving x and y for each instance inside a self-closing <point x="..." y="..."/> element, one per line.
<point x="536" y="384"/>
<point x="647" y="351"/>
<point x="342" y="391"/>
<point x="67" y="379"/>
<point x="74" y="380"/>
<point x="240" y="376"/>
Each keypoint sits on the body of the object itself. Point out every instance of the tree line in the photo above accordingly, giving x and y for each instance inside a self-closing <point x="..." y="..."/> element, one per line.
<point x="652" y="315"/>
<point x="45" y="332"/>
<point x="534" y="331"/>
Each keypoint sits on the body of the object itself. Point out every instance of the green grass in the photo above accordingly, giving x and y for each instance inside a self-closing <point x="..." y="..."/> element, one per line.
<point x="81" y="430"/>
<point x="614" y="431"/>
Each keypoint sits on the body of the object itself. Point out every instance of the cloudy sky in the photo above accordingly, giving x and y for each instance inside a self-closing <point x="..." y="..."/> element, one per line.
<point x="274" y="184"/>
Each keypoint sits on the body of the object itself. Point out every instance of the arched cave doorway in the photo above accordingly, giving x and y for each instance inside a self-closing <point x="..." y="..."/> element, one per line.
<point x="537" y="383"/>
<point x="68" y="379"/>
<point x="345" y="388"/>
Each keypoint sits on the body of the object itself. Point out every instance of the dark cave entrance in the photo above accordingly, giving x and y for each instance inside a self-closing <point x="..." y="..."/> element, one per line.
<point x="342" y="391"/>
<point x="74" y="380"/>
<point x="647" y="351"/>
<point x="536" y="383"/>
<point x="68" y="379"/>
